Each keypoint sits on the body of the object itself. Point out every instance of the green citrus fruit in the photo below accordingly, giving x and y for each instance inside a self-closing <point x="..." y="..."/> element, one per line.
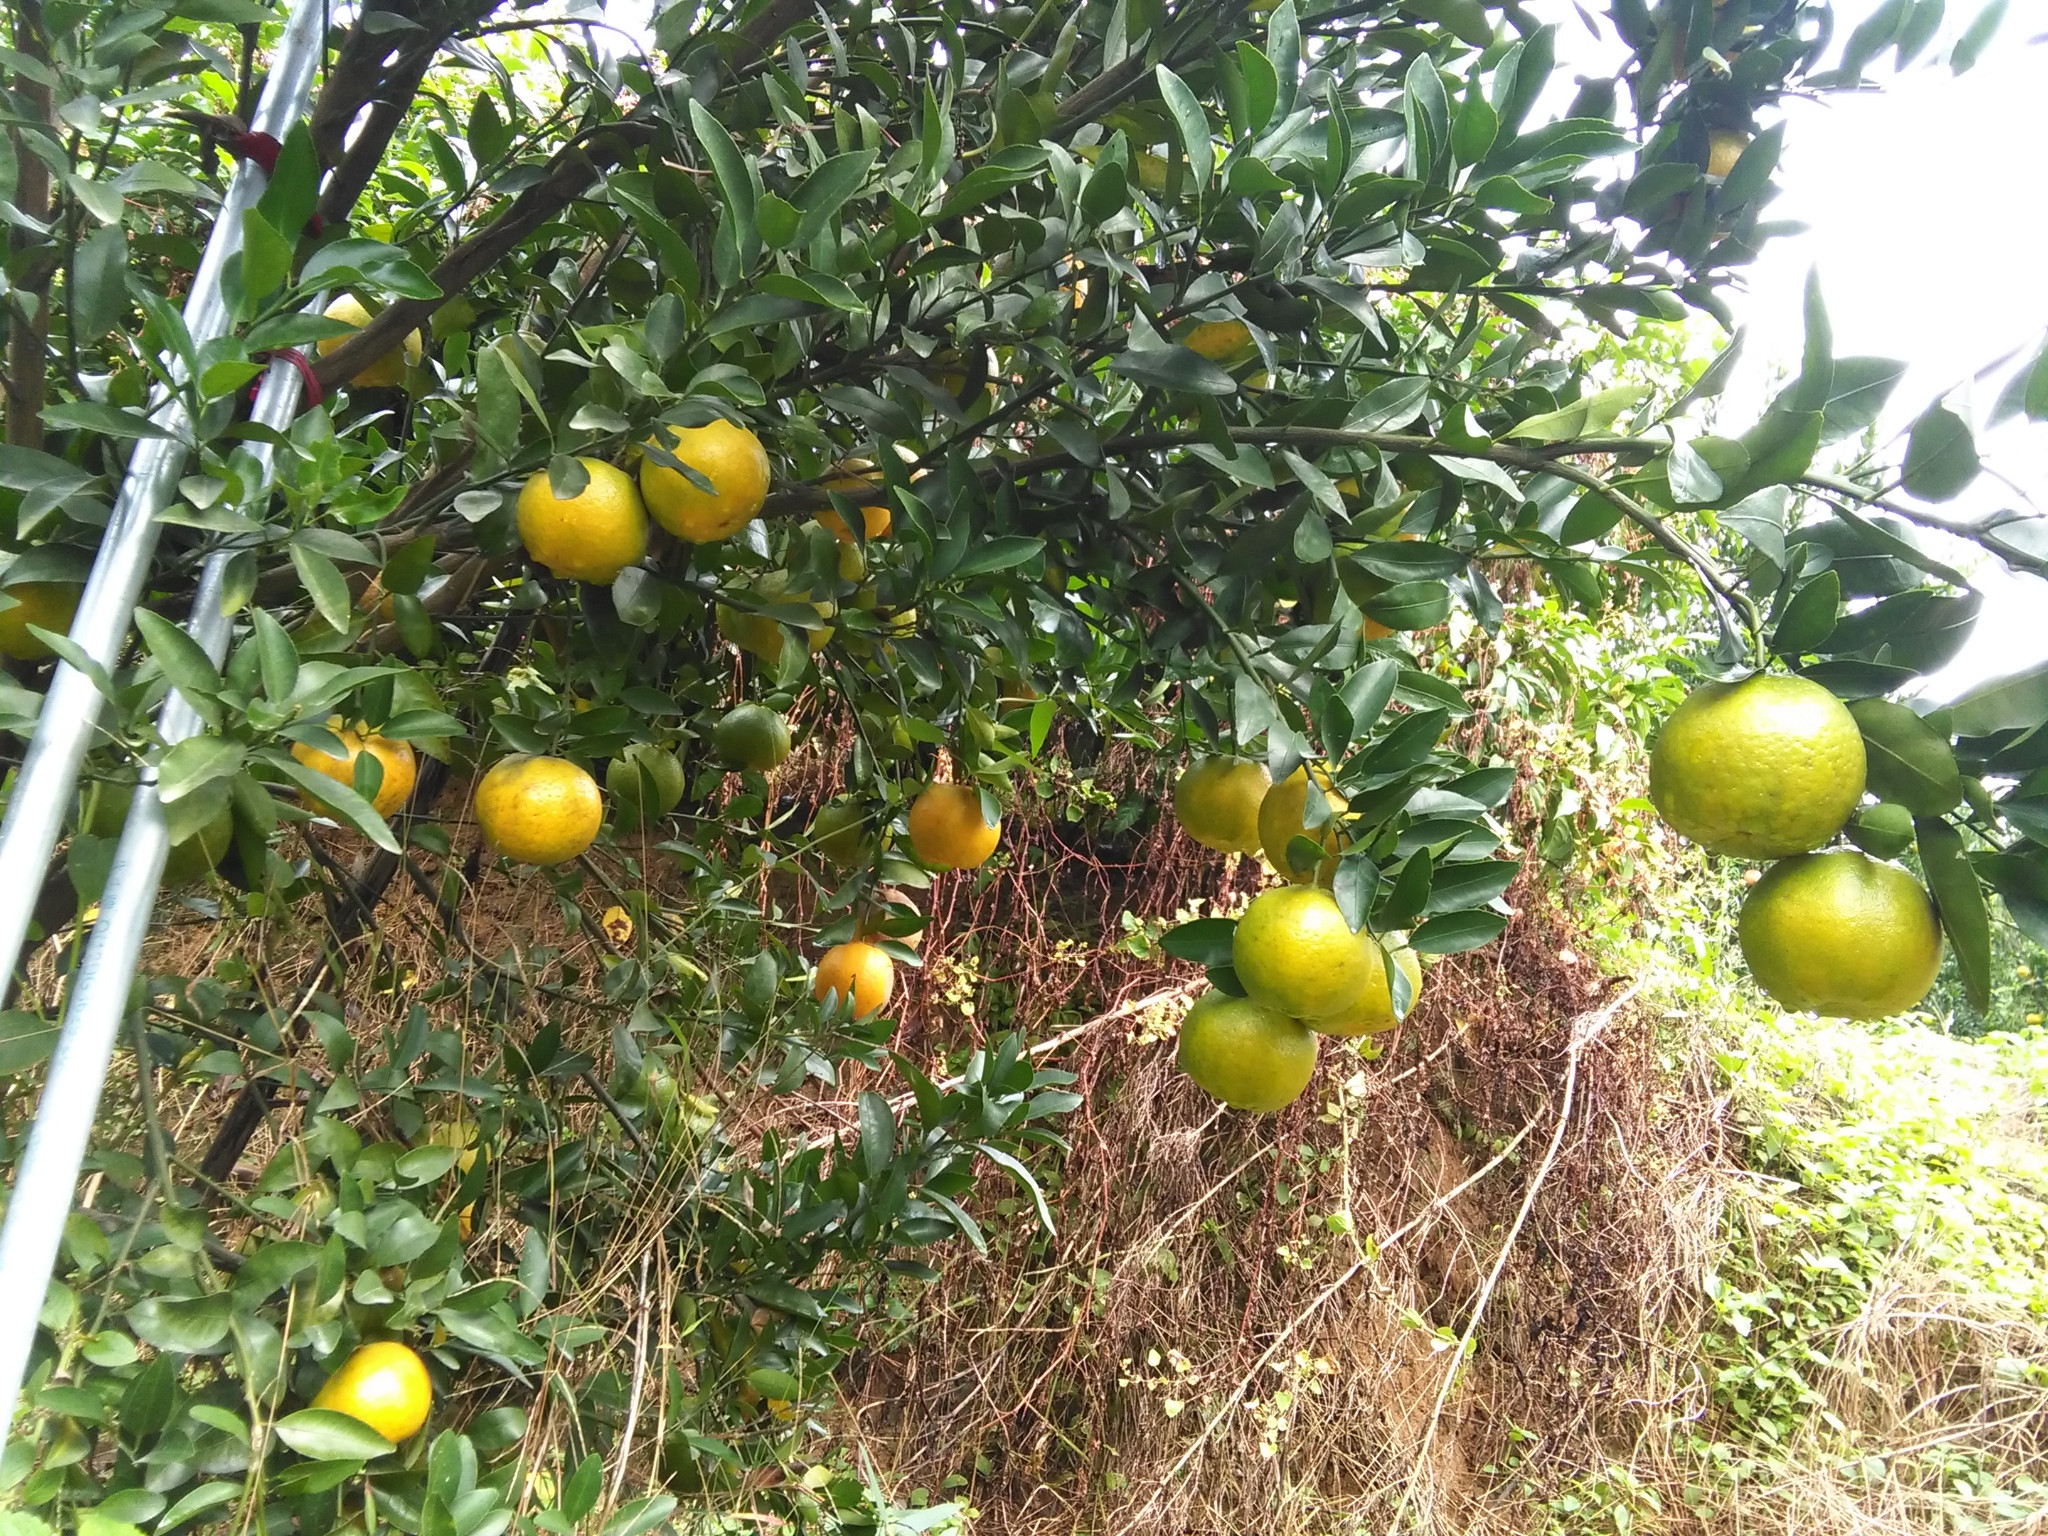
<point x="838" y="830"/>
<point x="1909" y="760"/>
<point x="1759" y="769"/>
<point x="1295" y="952"/>
<point x="751" y="736"/>
<point x="1217" y="802"/>
<point x="1841" y="934"/>
<point x="1372" y="1012"/>
<point x="1249" y="1056"/>
<point x="645" y="783"/>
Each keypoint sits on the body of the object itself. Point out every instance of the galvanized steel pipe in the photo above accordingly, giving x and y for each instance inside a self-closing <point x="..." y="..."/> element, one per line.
<point x="47" y="1174"/>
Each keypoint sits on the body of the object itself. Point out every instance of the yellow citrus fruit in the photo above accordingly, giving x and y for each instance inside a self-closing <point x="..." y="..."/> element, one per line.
<point x="48" y="605"/>
<point x="1841" y="934"/>
<point x="1724" y="148"/>
<point x="1372" y="1011"/>
<point x="538" y="810"/>
<point x="874" y="519"/>
<point x="735" y="463"/>
<point x="863" y="972"/>
<point x="1373" y="629"/>
<point x="1281" y="820"/>
<point x="751" y="736"/>
<point x="754" y="633"/>
<point x="1248" y="1055"/>
<point x="1217" y="801"/>
<point x="838" y="830"/>
<point x="946" y="829"/>
<point x="401" y="769"/>
<point x="380" y="373"/>
<point x="1221" y="341"/>
<point x="383" y="1385"/>
<point x="1293" y="951"/>
<point x="1759" y="769"/>
<point x="1151" y="171"/>
<point x="593" y="535"/>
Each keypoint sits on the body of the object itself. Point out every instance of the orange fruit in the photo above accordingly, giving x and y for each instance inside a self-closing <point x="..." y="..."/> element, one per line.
<point x="1759" y="769"/>
<point x="1282" y="819"/>
<point x="1293" y="951"/>
<point x="751" y="736"/>
<point x="396" y="758"/>
<point x="1245" y="1054"/>
<point x="48" y="605"/>
<point x="591" y="536"/>
<point x="730" y="457"/>
<point x="538" y="810"/>
<point x="860" y="971"/>
<point x="1724" y="148"/>
<point x="1841" y="934"/>
<point x="383" y="1385"/>
<point x="1217" y="803"/>
<point x="947" y="830"/>
<point x="1372" y="1011"/>
<point x="1221" y="341"/>
<point x="378" y="373"/>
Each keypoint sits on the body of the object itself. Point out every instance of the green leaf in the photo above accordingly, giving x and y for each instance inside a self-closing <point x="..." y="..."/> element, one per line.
<point x="1206" y="941"/>
<point x="734" y="184"/>
<point x="1810" y="617"/>
<point x="1410" y="605"/>
<point x="99" y="284"/>
<point x="1960" y="897"/>
<point x="1751" y="173"/>
<point x="1023" y="1176"/>
<point x="25" y="1041"/>
<point x="1857" y="397"/>
<point x="826" y="190"/>
<point x="1261" y="85"/>
<point x="1283" y="47"/>
<point x="191" y="1327"/>
<point x="778" y="220"/>
<point x="338" y="798"/>
<point x="107" y="420"/>
<point x="1909" y="762"/>
<point x="266" y="260"/>
<point x="293" y="190"/>
<point x="324" y="1435"/>
<point x="1174" y="367"/>
<point x="1977" y="37"/>
<point x="1941" y="455"/>
<point x="1760" y="519"/>
<point x="277" y="656"/>
<point x="488" y="136"/>
<point x="1692" y="480"/>
<point x="325" y="585"/>
<point x="2018" y="702"/>
<point x="194" y="763"/>
<point x="638" y="1515"/>
<point x="877" y="1137"/>
<point x="206" y="1496"/>
<point x="190" y="670"/>
<point x="1589" y="417"/>
<point x="1455" y="932"/>
<point x="1192" y="123"/>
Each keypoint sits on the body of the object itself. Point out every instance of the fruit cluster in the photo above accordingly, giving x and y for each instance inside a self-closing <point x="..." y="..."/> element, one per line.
<point x="1773" y="768"/>
<point x="1303" y="969"/>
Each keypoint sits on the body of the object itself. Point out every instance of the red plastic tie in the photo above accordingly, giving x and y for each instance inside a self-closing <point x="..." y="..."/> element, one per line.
<point x="314" y="393"/>
<point x="259" y="147"/>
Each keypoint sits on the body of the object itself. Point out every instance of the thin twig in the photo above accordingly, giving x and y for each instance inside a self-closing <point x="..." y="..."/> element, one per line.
<point x="639" y="1380"/>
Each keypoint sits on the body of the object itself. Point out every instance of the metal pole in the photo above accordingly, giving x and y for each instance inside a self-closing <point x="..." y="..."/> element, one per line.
<point x="47" y="1174"/>
<point x="70" y="713"/>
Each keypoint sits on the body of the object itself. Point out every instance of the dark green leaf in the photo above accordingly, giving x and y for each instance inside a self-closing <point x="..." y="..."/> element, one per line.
<point x="1861" y="387"/>
<point x="1455" y="932"/>
<point x="266" y="259"/>
<point x="25" y="1041"/>
<point x="324" y="1435"/>
<point x="2015" y="703"/>
<point x="1174" y="367"/>
<point x="1191" y="122"/>
<point x="1961" y="900"/>
<point x="1205" y="941"/>
<point x="1411" y="605"/>
<point x="1941" y="455"/>
<point x="99" y="284"/>
<point x="325" y="585"/>
<point x="1810" y="617"/>
<point x="877" y="1134"/>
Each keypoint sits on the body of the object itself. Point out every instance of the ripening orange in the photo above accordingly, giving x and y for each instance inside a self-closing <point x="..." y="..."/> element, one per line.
<point x="947" y="830"/>
<point x="861" y="971"/>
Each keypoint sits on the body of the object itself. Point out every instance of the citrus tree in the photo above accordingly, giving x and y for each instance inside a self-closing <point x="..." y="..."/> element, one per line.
<point x="940" y="390"/>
